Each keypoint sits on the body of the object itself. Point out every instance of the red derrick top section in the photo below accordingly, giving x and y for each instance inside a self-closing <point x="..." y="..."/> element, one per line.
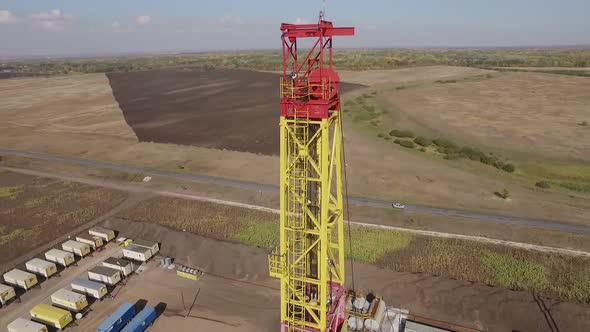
<point x="310" y="86"/>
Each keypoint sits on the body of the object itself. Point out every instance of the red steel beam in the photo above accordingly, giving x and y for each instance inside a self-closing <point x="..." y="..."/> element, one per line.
<point x="323" y="28"/>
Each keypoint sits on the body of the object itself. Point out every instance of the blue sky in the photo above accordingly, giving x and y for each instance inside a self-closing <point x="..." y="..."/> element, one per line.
<point x="81" y="27"/>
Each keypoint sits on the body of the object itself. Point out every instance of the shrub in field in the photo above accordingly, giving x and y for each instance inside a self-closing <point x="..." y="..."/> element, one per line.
<point x="445" y="146"/>
<point x="446" y="81"/>
<point x="397" y="141"/>
<point x="504" y="194"/>
<point x="401" y="133"/>
<point x="583" y="123"/>
<point x="488" y="160"/>
<point x="407" y="144"/>
<point x="380" y="135"/>
<point x="499" y="164"/>
<point x="422" y="149"/>
<point x="508" y="168"/>
<point x="402" y="87"/>
<point x="543" y="184"/>
<point x="423" y="141"/>
<point x="471" y="153"/>
<point x="364" y="116"/>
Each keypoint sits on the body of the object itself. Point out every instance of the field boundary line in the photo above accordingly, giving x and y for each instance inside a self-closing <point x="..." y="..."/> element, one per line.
<point x="165" y="193"/>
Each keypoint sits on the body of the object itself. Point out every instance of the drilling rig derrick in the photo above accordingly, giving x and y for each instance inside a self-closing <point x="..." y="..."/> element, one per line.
<point x="310" y="258"/>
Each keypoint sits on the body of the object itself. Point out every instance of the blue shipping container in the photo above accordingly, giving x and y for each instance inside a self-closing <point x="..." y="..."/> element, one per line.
<point x="142" y="321"/>
<point x="118" y="319"/>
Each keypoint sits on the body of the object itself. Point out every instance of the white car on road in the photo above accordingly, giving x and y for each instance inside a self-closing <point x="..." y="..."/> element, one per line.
<point x="398" y="206"/>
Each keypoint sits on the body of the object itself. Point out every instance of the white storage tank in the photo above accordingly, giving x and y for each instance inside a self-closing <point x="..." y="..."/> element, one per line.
<point x="105" y="275"/>
<point x="124" y="266"/>
<point x="6" y="293"/>
<point x="137" y="253"/>
<point x="77" y="248"/>
<point x="25" y="325"/>
<point x="153" y="246"/>
<point x="91" y="240"/>
<point x="89" y="287"/>
<point x="61" y="257"/>
<point x="20" y="279"/>
<point x="105" y="233"/>
<point x="41" y="267"/>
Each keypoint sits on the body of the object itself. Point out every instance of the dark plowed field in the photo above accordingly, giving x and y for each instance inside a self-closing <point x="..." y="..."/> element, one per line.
<point x="223" y="109"/>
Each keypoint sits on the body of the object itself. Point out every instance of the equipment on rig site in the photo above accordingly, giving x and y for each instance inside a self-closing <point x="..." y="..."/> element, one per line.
<point x="310" y="258"/>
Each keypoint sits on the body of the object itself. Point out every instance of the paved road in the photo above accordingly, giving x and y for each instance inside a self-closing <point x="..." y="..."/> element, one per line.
<point x="480" y="216"/>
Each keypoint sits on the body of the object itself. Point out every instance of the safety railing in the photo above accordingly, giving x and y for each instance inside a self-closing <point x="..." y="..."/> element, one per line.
<point x="317" y="90"/>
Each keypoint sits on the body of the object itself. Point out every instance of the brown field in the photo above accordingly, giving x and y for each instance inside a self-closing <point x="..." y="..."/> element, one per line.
<point x="530" y="113"/>
<point x="220" y="109"/>
<point x="35" y="211"/>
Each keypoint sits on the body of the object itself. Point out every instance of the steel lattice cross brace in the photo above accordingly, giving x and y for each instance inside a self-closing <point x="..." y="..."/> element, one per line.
<point x="310" y="259"/>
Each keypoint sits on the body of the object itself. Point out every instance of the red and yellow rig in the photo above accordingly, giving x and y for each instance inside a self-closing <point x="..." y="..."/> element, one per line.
<point x="310" y="259"/>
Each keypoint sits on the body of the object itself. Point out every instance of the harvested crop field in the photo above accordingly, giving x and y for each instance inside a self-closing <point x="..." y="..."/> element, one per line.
<point x="222" y="109"/>
<point x="35" y="211"/>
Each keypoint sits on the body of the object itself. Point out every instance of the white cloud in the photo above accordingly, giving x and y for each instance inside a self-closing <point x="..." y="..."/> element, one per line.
<point x="228" y="19"/>
<point x="53" y="20"/>
<point x="7" y="17"/>
<point x="300" y="20"/>
<point x="144" y="19"/>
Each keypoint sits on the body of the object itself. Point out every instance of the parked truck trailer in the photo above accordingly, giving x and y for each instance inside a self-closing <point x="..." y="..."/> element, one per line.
<point x="118" y="319"/>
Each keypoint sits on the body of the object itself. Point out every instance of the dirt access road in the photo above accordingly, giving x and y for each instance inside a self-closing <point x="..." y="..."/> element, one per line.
<point x="485" y="217"/>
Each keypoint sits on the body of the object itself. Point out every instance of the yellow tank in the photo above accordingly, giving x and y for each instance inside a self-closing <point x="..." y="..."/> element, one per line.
<point x="51" y="315"/>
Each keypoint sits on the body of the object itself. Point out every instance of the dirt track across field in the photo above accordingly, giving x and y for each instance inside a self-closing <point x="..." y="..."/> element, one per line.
<point x="221" y="109"/>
